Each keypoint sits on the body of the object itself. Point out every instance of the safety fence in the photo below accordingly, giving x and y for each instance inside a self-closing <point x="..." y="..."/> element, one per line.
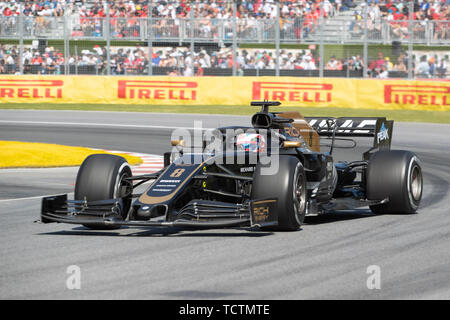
<point x="223" y="31"/>
<point x="224" y="38"/>
<point x="222" y="91"/>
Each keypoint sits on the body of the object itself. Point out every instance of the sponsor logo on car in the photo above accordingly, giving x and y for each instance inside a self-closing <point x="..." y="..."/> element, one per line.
<point x="365" y="124"/>
<point x="47" y="89"/>
<point x="383" y="133"/>
<point x="292" y="91"/>
<point x="417" y="94"/>
<point x="291" y="131"/>
<point x="260" y="213"/>
<point x="157" y="90"/>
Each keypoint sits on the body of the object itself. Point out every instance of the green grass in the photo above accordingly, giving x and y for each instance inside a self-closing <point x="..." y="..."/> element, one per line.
<point x="397" y="115"/>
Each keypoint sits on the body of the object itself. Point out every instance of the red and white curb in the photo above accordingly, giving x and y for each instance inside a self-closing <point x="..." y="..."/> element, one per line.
<point x="150" y="162"/>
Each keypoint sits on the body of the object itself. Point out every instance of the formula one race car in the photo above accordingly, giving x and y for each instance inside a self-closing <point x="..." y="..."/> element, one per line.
<point x="269" y="175"/>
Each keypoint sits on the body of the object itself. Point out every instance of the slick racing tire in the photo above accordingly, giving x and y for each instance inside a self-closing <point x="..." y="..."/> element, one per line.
<point x="397" y="176"/>
<point x="101" y="177"/>
<point x="288" y="186"/>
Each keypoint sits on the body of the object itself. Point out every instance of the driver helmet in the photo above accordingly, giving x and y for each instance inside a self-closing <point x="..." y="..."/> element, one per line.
<point x="251" y="142"/>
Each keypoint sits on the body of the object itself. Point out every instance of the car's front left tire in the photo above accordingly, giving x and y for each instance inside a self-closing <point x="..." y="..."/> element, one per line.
<point x="288" y="186"/>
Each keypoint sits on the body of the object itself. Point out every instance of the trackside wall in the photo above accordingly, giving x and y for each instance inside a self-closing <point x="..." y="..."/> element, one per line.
<point x="292" y="91"/>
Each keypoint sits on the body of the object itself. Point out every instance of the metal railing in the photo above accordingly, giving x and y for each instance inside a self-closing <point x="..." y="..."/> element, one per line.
<point x="335" y="30"/>
<point x="73" y="34"/>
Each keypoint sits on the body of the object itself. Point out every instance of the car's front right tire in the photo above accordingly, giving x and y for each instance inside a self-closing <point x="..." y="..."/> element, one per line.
<point x="101" y="177"/>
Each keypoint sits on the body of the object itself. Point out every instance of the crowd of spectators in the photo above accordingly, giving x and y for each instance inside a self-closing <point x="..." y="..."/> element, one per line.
<point x="299" y="19"/>
<point x="396" y="14"/>
<point x="393" y="10"/>
<point x="180" y="61"/>
<point x="50" y="61"/>
<point x="383" y="66"/>
<point x="425" y="66"/>
<point x="47" y="8"/>
<point x="170" y="8"/>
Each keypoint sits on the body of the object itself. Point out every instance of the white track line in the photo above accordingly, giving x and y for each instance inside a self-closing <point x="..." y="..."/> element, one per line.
<point x="95" y="124"/>
<point x="30" y="198"/>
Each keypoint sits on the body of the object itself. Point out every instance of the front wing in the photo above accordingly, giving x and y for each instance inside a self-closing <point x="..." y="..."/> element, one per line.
<point x="197" y="213"/>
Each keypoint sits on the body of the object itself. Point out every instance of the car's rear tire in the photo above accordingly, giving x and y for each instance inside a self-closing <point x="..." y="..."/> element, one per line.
<point x="288" y="185"/>
<point x="396" y="175"/>
<point x="101" y="177"/>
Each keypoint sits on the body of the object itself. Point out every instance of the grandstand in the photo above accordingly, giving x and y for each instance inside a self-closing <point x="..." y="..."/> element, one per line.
<point x="338" y="38"/>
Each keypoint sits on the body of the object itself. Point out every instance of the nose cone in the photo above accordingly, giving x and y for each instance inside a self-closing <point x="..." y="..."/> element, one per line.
<point x="144" y="212"/>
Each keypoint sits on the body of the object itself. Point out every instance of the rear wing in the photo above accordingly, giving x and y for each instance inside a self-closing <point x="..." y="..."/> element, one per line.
<point x="377" y="127"/>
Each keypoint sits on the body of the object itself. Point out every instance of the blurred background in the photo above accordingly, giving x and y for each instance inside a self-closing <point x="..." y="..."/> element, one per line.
<point x="328" y="38"/>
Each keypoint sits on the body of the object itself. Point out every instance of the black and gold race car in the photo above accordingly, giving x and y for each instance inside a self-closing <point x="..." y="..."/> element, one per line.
<point x="269" y="175"/>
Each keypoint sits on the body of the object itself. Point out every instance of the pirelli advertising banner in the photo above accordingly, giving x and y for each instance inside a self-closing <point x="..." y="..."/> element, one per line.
<point x="302" y="92"/>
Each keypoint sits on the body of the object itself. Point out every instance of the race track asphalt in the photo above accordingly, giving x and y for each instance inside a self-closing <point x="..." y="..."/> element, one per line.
<point x="327" y="259"/>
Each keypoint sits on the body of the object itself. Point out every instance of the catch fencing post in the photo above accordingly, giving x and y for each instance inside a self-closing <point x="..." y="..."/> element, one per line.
<point x="365" y="49"/>
<point x="277" y="41"/>
<point x="234" y="38"/>
<point x="76" y="59"/>
<point x="191" y="18"/>
<point x="108" y="41"/>
<point x="150" y="37"/>
<point x="66" y="40"/>
<point x="321" y="49"/>
<point x="410" y="40"/>
<point x="20" y="39"/>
